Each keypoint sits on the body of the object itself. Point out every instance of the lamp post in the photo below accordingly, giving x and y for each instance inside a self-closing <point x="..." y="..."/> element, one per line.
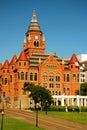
<point x="46" y="106"/>
<point x="37" y="115"/>
<point x="20" y="104"/>
<point x="2" y="120"/>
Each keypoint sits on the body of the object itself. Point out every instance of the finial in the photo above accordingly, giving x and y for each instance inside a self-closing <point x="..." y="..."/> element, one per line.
<point x="43" y="37"/>
<point x="24" y="39"/>
<point x="34" y="16"/>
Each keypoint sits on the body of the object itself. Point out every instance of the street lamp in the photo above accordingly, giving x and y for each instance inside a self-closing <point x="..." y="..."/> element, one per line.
<point x="20" y="105"/>
<point x="2" y="113"/>
<point x="46" y="106"/>
<point x="37" y="115"/>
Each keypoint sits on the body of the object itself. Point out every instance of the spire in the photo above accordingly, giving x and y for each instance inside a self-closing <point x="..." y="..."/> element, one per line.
<point x="22" y="56"/>
<point x="34" y="16"/>
<point x="73" y="59"/>
<point x="13" y="60"/>
<point x="5" y="65"/>
<point x="34" y="25"/>
<point x="43" y="37"/>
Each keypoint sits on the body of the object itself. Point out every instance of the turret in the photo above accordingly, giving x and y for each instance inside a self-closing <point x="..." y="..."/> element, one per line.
<point x="34" y="42"/>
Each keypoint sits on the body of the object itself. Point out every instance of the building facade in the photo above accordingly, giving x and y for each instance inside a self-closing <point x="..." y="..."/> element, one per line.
<point x="83" y="67"/>
<point x="59" y="75"/>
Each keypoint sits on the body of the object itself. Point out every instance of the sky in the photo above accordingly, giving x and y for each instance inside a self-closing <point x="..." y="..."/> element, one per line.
<point x="63" y="22"/>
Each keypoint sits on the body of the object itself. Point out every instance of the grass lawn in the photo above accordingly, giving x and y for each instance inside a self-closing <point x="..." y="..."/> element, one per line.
<point x="72" y="116"/>
<point x="14" y="124"/>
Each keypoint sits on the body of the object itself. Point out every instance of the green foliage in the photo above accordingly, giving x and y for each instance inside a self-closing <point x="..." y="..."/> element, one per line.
<point x="83" y="108"/>
<point x="70" y="108"/>
<point x="39" y="94"/>
<point x="73" y="109"/>
<point x="83" y="89"/>
<point x="57" y="108"/>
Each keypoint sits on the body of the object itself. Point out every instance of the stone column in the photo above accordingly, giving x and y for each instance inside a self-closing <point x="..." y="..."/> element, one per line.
<point x="62" y="101"/>
<point x="68" y="101"/>
<point x="57" y="102"/>
<point x="77" y="100"/>
<point x="85" y="102"/>
<point x="72" y="102"/>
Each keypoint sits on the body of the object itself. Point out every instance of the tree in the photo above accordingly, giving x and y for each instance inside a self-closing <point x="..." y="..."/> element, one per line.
<point x="39" y="94"/>
<point x="83" y="89"/>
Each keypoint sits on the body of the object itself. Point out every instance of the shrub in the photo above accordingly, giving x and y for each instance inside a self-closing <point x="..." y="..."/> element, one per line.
<point x="73" y="108"/>
<point x="57" y="108"/>
<point x="83" y="108"/>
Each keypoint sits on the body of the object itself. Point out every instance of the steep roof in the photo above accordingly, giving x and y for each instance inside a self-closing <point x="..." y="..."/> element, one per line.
<point x="22" y="56"/>
<point x="73" y="59"/>
<point x="13" y="60"/>
<point x="5" y="65"/>
<point x="34" y="25"/>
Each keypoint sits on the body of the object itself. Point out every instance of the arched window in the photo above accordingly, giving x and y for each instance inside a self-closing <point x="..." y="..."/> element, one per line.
<point x="36" y="43"/>
<point x="74" y="77"/>
<point x="22" y="75"/>
<point x="31" y="76"/>
<point x="18" y="75"/>
<point x="10" y="78"/>
<point x="6" y="81"/>
<point x="45" y="78"/>
<point x="26" y="75"/>
<point x="35" y="76"/>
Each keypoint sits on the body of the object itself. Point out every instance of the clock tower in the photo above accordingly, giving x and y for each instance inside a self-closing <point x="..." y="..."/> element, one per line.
<point x="34" y="42"/>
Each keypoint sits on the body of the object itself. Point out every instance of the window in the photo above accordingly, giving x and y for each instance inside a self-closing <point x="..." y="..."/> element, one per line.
<point x="58" y="78"/>
<point x="18" y="75"/>
<point x="57" y="85"/>
<point x="19" y="63"/>
<point x="10" y="78"/>
<point x="74" y="77"/>
<point x="22" y="75"/>
<point x="4" y="95"/>
<point x="52" y="92"/>
<point x="31" y="76"/>
<point x="35" y="76"/>
<point x="56" y="93"/>
<point x="77" y="77"/>
<point x="24" y="63"/>
<point x="36" y="43"/>
<point x="51" y="78"/>
<point x="59" y="93"/>
<point x="44" y="78"/>
<point x="3" y="71"/>
<point x="12" y="67"/>
<point x="45" y="85"/>
<point x="26" y="75"/>
<point x="51" y="85"/>
<point x="6" y="81"/>
<point x="66" y="77"/>
<point x="2" y="81"/>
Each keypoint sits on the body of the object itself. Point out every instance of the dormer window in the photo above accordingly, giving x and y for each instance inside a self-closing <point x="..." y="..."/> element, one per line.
<point x="19" y="63"/>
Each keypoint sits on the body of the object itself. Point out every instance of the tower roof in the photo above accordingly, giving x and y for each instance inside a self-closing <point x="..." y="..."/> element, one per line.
<point x="34" y="25"/>
<point x="73" y="59"/>
<point x="22" y="56"/>
<point x="13" y="60"/>
<point x="5" y="65"/>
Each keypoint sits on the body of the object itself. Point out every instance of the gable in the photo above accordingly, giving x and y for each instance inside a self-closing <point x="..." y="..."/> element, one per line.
<point x="51" y="63"/>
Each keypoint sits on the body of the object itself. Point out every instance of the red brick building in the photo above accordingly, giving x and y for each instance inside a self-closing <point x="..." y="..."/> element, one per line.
<point x="59" y="75"/>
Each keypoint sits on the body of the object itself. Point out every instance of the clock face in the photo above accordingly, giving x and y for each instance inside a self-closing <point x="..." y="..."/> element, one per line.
<point x="36" y="37"/>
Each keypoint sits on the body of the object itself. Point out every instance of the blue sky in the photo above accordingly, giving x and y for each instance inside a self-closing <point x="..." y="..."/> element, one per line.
<point x="63" y="22"/>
